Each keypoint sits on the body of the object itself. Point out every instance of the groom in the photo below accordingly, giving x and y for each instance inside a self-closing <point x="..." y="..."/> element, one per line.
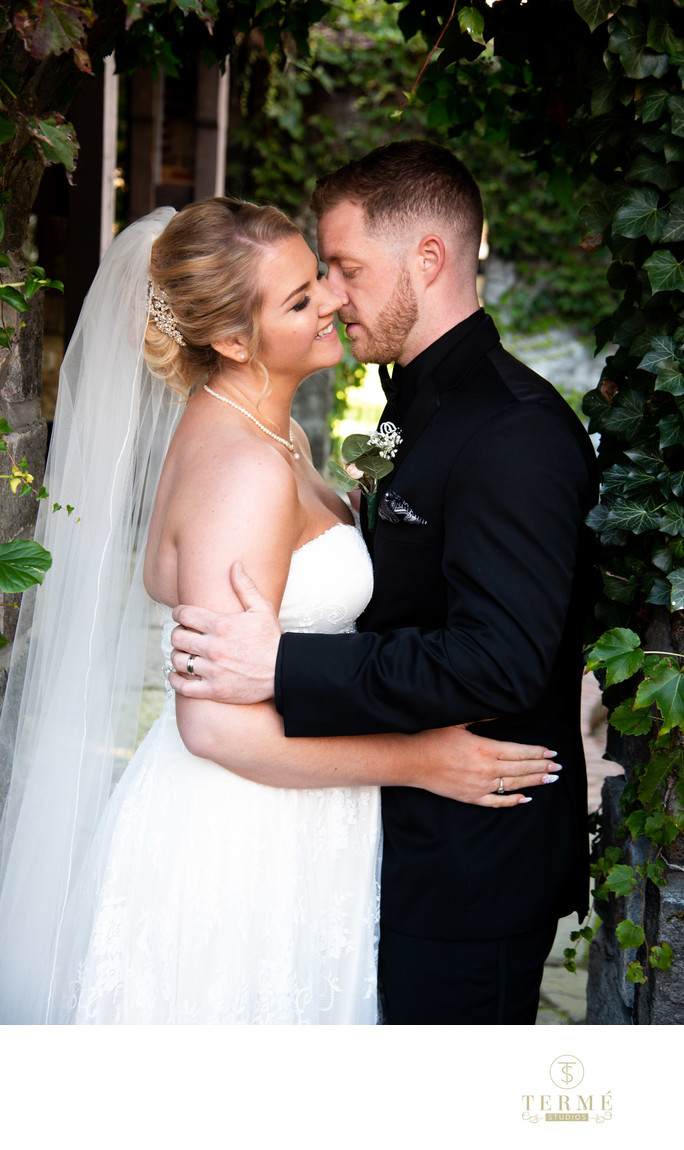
<point x="482" y="572"/>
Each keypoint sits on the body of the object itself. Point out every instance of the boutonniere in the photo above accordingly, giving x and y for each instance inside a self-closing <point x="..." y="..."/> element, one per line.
<point x="365" y="460"/>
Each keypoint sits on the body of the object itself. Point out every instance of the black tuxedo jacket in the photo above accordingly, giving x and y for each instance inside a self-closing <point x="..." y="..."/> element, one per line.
<point x="477" y="614"/>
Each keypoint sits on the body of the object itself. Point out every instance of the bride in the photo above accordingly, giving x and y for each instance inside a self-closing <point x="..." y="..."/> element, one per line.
<point x="195" y="893"/>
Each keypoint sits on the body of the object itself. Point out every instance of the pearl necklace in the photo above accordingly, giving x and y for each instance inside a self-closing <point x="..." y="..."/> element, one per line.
<point x="288" y="443"/>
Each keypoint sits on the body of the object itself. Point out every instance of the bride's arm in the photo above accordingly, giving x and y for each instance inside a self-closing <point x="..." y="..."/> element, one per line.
<point x="451" y="761"/>
<point x="246" y="506"/>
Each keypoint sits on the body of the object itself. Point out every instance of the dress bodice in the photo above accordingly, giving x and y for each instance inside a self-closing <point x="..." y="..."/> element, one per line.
<point x="330" y="581"/>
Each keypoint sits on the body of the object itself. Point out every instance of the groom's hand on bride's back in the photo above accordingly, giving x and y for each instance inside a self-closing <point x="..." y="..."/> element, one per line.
<point x="231" y="658"/>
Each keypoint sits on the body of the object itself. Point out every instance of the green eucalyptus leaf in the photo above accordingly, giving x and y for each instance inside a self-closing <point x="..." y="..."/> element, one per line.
<point x="353" y="446"/>
<point x="23" y="563"/>
<point x="374" y="465"/>
<point x="340" y="475"/>
<point x="665" y="688"/>
<point x="620" y="651"/>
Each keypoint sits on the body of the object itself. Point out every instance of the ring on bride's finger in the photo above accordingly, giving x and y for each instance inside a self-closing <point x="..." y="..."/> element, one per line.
<point x="191" y="664"/>
<point x="501" y="788"/>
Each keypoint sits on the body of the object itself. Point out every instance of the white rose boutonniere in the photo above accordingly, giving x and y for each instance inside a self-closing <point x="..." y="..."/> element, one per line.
<point x="365" y="460"/>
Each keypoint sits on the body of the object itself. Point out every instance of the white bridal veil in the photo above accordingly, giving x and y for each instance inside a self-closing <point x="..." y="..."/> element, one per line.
<point x="71" y="709"/>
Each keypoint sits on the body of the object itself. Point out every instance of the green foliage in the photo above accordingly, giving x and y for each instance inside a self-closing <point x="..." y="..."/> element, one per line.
<point x="23" y="563"/>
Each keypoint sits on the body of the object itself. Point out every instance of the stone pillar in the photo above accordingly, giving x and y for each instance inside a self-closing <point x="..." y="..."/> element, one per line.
<point x="611" y="1001"/>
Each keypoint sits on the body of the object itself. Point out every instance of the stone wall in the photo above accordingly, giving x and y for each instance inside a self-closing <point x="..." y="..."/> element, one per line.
<point x="20" y="389"/>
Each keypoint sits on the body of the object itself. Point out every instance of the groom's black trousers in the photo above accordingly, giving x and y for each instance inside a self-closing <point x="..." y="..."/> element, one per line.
<point x="481" y="982"/>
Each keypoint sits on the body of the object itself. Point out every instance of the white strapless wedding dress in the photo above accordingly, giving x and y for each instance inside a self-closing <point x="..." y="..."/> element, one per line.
<point x="211" y="899"/>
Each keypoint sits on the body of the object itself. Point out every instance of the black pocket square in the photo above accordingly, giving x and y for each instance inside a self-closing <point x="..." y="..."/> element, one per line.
<point x="394" y="509"/>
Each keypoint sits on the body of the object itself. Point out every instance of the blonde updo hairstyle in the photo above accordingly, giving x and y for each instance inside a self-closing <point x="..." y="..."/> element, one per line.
<point x="206" y="262"/>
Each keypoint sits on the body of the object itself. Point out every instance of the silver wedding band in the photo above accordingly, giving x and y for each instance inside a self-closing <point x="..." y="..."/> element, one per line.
<point x="501" y="788"/>
<point x="191" y="665"/>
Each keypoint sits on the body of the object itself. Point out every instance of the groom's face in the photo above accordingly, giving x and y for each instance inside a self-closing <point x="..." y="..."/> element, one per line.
<point x="379" y="306"/>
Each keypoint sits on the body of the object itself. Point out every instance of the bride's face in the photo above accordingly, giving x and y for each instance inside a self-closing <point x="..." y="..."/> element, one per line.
<point x="298" y="335"/>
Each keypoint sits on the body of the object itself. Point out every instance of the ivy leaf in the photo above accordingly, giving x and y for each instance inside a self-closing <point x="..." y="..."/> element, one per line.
<point x="631" y="720"/>
<point x="7" y="129"/>
<point x="652" y="105"/>
<point x="653" y="775"/>
<point x="595" y="12"/>
<point x="673" y="231"/>
<point x="671" y="429"/>
<point x="22" y="564"/>
<point x="634" y="972"/>
<point x="657" y="590"/>
<point x="626" y="414"/>
<point x="620" y="651"/>
<point x="661" y="956"/>
<point x="628" y="41"/>
<point x="648" y="169"/>
<point x="628" y="933"/>
<point x="676" y="581"/>
<point x="472" y="22"/>
<point x="665" y="272"/>
<point x="662" y="349"/>
<point x="636" y="515"/>
<point x="622" y="881"/>
<point x="53" y="27"/>
<point x="56" y="140"/>
<point x="670" y="378"/>
<point x="676" y="107"/>
<point x="665" y="688"/>
<point x="672" y="522"/>
<point x="639" y="215"/>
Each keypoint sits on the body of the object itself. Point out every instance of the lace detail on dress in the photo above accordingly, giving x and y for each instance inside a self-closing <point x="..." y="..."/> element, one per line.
<point x="212" y="899"/>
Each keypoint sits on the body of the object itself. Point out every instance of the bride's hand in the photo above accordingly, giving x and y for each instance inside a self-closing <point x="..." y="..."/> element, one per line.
<point x="458" y="764"/>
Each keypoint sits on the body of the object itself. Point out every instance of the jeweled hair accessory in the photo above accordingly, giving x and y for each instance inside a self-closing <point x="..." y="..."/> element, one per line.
<point x="162" y="315"/>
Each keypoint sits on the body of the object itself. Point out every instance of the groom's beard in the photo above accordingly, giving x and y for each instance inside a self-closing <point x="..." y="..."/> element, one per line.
<point x="383" y="342"/>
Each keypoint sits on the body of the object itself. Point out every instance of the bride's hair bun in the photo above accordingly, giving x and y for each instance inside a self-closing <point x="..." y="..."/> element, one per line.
<point x="204" y="267"/>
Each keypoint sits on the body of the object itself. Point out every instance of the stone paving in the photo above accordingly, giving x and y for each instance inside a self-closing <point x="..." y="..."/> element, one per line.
<point x="563" y="995"/>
